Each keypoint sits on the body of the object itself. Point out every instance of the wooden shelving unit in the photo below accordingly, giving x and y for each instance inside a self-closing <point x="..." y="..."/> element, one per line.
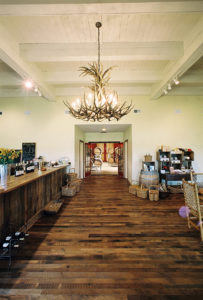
<point x="179" y="160"/>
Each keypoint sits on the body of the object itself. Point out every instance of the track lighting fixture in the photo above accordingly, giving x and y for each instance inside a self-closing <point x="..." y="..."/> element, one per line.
<point x="170" y="85"/>
<point x="176" y="81"/>
<point x="28" y="84"/>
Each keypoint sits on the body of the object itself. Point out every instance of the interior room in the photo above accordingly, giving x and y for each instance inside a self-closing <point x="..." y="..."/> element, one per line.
<point x="101" y="165"/>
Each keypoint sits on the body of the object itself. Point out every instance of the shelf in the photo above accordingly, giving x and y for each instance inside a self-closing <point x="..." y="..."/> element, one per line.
<point x="173" y="157"/>
<point x="177" y="177"/>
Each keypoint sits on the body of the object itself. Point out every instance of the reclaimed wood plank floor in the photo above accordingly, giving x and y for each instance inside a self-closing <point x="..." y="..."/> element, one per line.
<point x="107" y="244"/>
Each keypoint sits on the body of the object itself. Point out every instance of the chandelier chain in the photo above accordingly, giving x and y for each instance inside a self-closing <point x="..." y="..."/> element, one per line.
<point x="99" y="48"/>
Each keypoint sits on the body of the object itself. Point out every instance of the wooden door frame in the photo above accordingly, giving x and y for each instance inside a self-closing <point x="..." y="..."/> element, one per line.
<point x="81" y="164"/>
<point x="125" y="160"/>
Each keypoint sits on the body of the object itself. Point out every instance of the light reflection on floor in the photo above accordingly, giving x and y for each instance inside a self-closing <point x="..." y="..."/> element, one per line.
<point x="106" y="169"/>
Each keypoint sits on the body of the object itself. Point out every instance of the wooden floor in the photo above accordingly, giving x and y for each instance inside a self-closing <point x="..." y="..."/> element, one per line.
<point x="106" y="244"/>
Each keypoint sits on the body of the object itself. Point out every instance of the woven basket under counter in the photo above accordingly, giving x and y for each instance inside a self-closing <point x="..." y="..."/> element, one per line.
<point x="71" y="176"/>
<point x="68" y="191"/>
<point x="76" y="183"/>
<point x="154" y="192"/>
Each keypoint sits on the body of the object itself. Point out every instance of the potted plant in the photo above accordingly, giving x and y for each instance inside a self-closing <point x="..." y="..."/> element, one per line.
<point x="7" y="157"/>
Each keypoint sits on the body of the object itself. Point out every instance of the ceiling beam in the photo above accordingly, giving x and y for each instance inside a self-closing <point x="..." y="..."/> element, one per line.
<point x="122" y="91"/>
<point x="51" y="8"/>
<point x="192" y="53"/>
<point x="116" y="77"/>
<point x="124" y="51"/>
<point x="9" y="54"/>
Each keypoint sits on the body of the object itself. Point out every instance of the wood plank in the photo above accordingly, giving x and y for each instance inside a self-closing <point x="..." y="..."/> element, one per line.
<point x="16" y="182"/>
<point x="22" y="202"/>
<point x="108" y="244"/>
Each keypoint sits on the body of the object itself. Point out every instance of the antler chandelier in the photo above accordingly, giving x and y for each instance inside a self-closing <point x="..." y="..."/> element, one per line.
<point x="99" y="103"/>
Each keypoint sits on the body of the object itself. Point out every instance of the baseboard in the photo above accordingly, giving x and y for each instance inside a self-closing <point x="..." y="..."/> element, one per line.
<point x="32" y="221"/>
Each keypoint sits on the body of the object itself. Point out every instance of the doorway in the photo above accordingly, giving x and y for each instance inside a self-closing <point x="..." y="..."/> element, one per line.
<point x="117" y="163"/>
<point x="106" y="158"/>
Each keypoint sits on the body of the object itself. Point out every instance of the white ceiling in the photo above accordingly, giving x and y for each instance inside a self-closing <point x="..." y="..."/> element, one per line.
<point x="149" y="42"/>
<point x="108" y="127"/>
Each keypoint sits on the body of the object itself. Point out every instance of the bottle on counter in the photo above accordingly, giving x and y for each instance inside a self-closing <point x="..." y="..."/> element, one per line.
<point x="32" y="166"/>
<point x="21" y="169"/>
<point x="17" y="171"/>
<point x="24" y="166"/>
<point x="27" y="167"/>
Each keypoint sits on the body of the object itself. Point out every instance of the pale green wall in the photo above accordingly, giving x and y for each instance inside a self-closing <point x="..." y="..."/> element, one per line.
<point x="47" y="125"/>
<point x="157" y="124"/>
<point x="103" y="137"/>
<point x="128" y="136"/>
<point x="79" y="136"/>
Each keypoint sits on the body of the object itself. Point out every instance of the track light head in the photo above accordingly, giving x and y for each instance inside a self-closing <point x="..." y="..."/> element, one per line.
<point x="28" y="84"/>
<point x="176" y="81"/>
<point x="169" y="87"/>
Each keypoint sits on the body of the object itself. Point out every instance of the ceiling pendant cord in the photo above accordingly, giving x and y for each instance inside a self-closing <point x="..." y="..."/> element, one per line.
<point x="98" y="25"/>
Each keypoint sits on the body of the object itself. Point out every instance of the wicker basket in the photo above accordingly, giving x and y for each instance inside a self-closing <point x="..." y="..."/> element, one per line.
<point x="71" y="176"/>
<point x="133" y="189"/>
<point x="53" y="207"/>
<point x="68" y="191"/>
<point x="142" y="192"/>
<point x="147" y="158"/>
<point x="154" y="193"/>
<point x="76" y="183"/>
<point x="175" y="190"/>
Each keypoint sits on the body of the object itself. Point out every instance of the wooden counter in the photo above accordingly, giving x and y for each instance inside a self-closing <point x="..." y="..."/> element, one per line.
<point x="22" y="202"/>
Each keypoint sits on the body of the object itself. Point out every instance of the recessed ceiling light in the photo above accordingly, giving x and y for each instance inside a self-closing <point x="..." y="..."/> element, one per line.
<point x="103" y="129"/>
<point x="165" y="92"/>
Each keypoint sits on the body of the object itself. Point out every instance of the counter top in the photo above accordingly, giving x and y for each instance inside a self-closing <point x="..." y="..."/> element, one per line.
<point x="16" y="182"/>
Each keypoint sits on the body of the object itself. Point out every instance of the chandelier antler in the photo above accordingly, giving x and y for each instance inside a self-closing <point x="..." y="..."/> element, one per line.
<point x="100" y="104"/>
